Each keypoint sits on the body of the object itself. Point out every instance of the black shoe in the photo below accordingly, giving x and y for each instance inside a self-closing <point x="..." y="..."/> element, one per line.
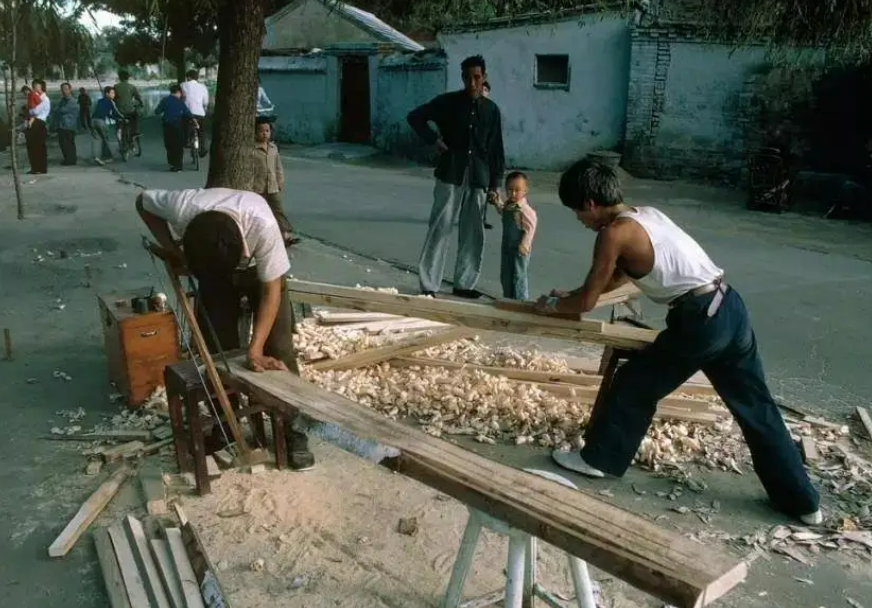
<point x="175" y="170"/>
<point x="469" y="294"/>
<point x="299" y="456"/>
<point x="432" y="294"/>
<point x="488" y="226"/>
<point x="204" y="153"/>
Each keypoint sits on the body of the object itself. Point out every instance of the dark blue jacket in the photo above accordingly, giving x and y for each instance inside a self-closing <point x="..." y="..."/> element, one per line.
<point x="105" y="108"/>
<point x="173" y="110"/>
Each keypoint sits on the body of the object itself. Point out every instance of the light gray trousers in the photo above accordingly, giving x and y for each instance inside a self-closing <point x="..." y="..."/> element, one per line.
<point x="449" y="202"/>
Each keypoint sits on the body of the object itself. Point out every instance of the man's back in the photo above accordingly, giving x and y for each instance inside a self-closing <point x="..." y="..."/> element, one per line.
<point x="125" y="97"/>
<point x="196" y="97"/>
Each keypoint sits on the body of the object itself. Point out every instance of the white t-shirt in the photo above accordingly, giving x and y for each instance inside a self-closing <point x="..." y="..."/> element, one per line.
<point x="263" y="244"/>
<point x="196" y="97"/>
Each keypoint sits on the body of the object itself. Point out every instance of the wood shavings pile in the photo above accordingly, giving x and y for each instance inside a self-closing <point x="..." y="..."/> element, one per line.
<point x="493" y="408"/>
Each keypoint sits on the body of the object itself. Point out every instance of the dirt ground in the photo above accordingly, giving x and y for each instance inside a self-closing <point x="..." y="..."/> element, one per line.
<point x="328" y="537"/>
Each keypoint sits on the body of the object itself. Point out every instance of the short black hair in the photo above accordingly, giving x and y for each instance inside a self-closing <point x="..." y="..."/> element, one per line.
<point x="588" y="180"/>
<point x="476" y="61"/>
<point x="517" y="175"/>
<point x="486" y="85"/>
<point x="66" y="84"/>
<point x="26" y="89"/>
<point x="193" y="74"/>
<point x="107" y="89"/>
<point x="176" y="88"/>
<point x="123" y="74"/>
<point x="213" y="245"/>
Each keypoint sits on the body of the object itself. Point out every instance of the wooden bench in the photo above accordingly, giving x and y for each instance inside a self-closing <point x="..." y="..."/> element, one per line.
<point x="662" y="563"/>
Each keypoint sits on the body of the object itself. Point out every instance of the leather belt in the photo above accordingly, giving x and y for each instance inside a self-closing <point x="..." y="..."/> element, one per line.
<point x="718" y="285"/>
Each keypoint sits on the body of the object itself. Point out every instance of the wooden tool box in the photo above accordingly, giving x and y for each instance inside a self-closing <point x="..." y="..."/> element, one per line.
<point x="138" y="346"/>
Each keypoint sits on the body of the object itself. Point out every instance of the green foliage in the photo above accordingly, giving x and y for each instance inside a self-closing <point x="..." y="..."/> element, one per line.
<point x="844" y="26"/>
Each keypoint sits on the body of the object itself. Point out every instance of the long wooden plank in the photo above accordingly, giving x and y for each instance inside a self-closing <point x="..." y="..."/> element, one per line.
<point x="103" y="436"/>
<point x="377" y="355"/>
<point x="145" y="563"/>
<point x="160" y="550"/>
<point x="153" y="490"/>
<point x="115" y="589"/>
<point x="593" y="380"/>
<point x="206" y="358"/>
<point x="129" y="572"/>
<point x="88" y="512"/>
<point x="326" y="317"/>
<point x="628" y="546"/>
<point x="469" y="314"/>
<point x="622" y="294"/>
<point x="182" y="563"/>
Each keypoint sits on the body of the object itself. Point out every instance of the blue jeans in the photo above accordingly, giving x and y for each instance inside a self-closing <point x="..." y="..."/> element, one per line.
<point x="725" y="349"/>
<point x="513" y="264"/>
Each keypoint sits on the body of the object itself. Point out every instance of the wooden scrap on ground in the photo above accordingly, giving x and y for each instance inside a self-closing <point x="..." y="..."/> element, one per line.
<point x="157" y="446"/>
<point x="809" y="449"/>
<point x="377" y="355"/>
<point x="224" y="459"/>
<point x="162" y="432"/>
<point x="153" y="490"/>
<point x="129" y="572"/>
<point x="340" y="318"/>
<point x="88" y="512"/>
<point x="115" y="589"/>
<point x="102" y="436"/>
<point x="184" y="570"/>
<point x="125" y="450"/>
<point x="145" y="563"/>
<point x="865" y="419"/>
<point x="207" y="576"/>
<point x="212" y="469"/>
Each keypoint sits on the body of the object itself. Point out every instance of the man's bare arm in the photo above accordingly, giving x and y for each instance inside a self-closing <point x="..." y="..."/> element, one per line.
<point x="270" y="301"/>
<point x="602" y="275"/>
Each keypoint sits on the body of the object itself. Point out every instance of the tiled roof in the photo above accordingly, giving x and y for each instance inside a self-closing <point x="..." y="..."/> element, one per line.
<point x="378" y="28"/>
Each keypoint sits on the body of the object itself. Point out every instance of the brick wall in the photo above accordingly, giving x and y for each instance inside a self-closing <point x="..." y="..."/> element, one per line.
<point x="691" y="110"/>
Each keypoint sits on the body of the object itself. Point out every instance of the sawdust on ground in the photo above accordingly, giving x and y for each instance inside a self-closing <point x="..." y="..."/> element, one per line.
<point x="330" y="538"/>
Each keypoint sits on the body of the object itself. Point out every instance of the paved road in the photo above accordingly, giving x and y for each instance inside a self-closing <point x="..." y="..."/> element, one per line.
<point x="806" y="280"/>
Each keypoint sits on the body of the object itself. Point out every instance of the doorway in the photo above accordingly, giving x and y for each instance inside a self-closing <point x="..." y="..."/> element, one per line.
<point x="354" y="99"/>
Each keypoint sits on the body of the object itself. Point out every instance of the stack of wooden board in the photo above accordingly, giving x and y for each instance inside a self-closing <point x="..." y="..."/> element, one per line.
<point x="165" y="567"/>
<point x="473" y="315"/>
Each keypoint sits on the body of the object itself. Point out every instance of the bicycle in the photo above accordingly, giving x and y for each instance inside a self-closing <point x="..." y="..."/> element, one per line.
<point x="127" y="142"/>
<point x="194" y="142"/>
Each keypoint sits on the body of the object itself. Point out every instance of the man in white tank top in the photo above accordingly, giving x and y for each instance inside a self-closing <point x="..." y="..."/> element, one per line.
<point x="707" y="329"/>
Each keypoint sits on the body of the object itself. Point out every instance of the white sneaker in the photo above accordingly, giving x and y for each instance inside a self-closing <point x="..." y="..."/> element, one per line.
<point x="574" y="462"/>
<point x="812" y="519"/>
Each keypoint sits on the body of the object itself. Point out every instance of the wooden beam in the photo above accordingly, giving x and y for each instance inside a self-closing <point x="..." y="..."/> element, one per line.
<point x="622" y="294"/>
<point x="103" y="436"/>
<point x="115" y="589"/>
<point x="145" y="563"/>
<point x="88" y="512"/>
<point x="377" y="355"/>
<point x="190" y="586"/>
<point x="474" y="315"/>
<point x="160" y="550"/>
<point x="591" y="380"/>
<point x="206" y="358"/>
<point x="118" y="452"/>
<point x="865" y="419"/>
<point x="663" y="563"/>
<point x="129" y="572"/>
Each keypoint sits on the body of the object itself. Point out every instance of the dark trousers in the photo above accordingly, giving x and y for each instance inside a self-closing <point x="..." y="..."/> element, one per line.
<point x="37" y="152"/>
<point x="222" y="300"/>
<point x="725" y="348"/>
<point x="275" y="203"/>
<point x="67" y="141"/>
<point x="513" y="264"/>
<point x="174" y="142"/>
<point x="132" y="122"/>
<point x="85" y="119"/>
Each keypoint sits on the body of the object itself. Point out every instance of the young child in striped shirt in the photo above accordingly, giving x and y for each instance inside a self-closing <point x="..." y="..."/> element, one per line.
<point x="519" y="228"/>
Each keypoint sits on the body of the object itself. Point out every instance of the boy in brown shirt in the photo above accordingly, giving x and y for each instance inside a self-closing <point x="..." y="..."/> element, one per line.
<point x="269" y="177"/>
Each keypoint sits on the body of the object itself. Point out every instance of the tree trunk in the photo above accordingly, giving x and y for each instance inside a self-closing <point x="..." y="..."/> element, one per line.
<point x="241" y="30"/>
<point x="11" y="96"/>
<point x="178" y="57"/>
